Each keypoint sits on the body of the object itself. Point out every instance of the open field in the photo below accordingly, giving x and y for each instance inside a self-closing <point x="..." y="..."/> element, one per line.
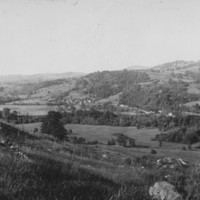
<point x="77" y="94"/>
<point x="30" y="109"/>
<point x="192" y="103"/>
<point x="143" y="140"/>
<point x="194" y="88"/>
<point x="142" y="136"/>
<point x="52" y="91"/>
<point x="104" y="133"/>
<point x="113" y="98"/>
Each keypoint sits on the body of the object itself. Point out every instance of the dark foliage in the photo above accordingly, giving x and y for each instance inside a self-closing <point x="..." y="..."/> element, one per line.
<point x="53" y="126"/>
<point x="15" y="134"/>
<point x="157" y="97"/>
<point x="111" y="141"/>
<point x="107" y="83"/>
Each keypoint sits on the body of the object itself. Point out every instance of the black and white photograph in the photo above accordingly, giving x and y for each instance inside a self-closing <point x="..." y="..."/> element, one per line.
<point x="99" y="100"/>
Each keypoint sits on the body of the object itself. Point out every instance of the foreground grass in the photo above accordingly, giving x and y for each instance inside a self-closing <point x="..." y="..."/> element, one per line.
<point x="50" y="176"/>
<point x="47" y="178"/>
<point x="62" y="171"/>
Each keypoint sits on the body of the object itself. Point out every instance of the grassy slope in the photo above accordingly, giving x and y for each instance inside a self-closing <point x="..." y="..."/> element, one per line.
<point x="142" y="136"/>
<point x="112" y="98"/>
<point x="62" y="170"/>
<point x="65" y="171"/>
<point x="51" y="91"/>
<point x="194" y="88"/>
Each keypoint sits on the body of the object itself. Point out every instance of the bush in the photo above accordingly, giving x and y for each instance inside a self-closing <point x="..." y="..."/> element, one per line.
<point x="78" y="140"/>
<point x="111" y="141"/>
<point x="184" y="148"/>
<point x="124" y="140"/>
<point x="35" y="130"/>
<point x="93" y="142"/>
<point x="127" y="161"/>
<point x="153" y="151"/>
<point x="191" y="138"/>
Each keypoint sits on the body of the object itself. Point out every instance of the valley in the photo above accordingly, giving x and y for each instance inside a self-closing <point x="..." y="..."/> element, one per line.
<point x="106" y="135"/>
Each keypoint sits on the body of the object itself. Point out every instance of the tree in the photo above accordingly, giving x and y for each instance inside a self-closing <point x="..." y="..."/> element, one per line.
<point x="160" y="142"/>
<point x="191" y="137"/>
<point x="6" y="112"/>
<point x="12" y="116"/>
<point x="53" y="126"/>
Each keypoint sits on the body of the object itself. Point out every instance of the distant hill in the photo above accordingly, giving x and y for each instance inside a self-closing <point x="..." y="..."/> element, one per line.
<point x="108" y="83"/>
<point x="137" y="67"/>
<point x="179" y="66"/>
<point x="165" y="86"/>
<point x="38" y="77"/>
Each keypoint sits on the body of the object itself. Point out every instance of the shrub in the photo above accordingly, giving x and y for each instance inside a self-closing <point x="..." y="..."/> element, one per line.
<point x="153" y="151"/>
<point x="124" y="140"/>
<point x="127" y="161"/>
<point x="93" y="142"/>
<point x="111" y="141"/>
<point x="35" y="130"/>
<point x="79" y="140"/>
<point x="184" y="148"/>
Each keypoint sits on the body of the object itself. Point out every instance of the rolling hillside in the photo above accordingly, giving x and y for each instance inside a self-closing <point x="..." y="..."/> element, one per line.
<point x="165" y="86"/>
<point x="38" y="77"/>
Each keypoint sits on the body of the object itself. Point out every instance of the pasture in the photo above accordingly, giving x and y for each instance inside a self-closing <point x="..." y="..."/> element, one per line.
<point x="104" y="133"/>
<point x="192" y="103"/>
<point x="193" y="88"/>
<point x="143" y="137"/>
<point x="112" y="98"/>
<point x="52" y="91"/>
<point x="30" y="109"/>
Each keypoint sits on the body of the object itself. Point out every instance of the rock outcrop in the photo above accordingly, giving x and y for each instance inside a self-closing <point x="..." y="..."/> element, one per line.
<point x="164" y="191"/>
<point x="171" y="163"/>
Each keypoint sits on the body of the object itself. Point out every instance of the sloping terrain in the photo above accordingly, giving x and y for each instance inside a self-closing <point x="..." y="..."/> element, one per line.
<point x="38" y="77"/>
<point x="49" y="169"/>
<point x="163" y="87"/>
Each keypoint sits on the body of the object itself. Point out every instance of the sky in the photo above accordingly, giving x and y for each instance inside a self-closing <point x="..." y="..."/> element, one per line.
<point x="56" y="36"/>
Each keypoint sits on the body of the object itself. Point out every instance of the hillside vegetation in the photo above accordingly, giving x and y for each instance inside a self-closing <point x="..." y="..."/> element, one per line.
<point x="107" y="83"/>
<point x="37" y="166"/>
<point x="157" y="96"/>
<point x="145" y="89"/>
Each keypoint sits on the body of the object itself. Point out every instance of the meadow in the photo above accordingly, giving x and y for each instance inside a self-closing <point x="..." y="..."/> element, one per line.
<point x="62" y="170"/>
<point x="143" y="138"/>
<point x="104" y="133"/>
<point x="30" y="109"/>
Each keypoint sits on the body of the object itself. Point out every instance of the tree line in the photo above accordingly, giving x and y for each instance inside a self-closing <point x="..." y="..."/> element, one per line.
<point x="157" y="97"/>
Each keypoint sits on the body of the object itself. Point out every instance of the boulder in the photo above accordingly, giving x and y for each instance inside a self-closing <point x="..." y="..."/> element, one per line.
<point x="164" y="191"/>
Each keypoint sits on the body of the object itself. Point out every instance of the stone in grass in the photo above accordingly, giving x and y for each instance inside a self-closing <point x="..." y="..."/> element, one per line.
<point x="164" y="191"/>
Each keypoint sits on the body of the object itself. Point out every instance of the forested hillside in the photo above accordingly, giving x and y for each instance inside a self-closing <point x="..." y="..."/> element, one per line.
<point x="142" y="90"/>
<point x="157" y="97"/>
<point x="107" y="83"/>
